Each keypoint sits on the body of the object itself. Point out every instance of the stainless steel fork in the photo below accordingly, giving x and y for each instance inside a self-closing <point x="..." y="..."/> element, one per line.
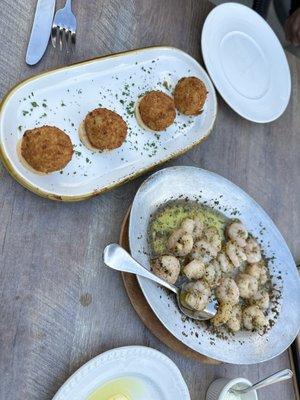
<point x="63" y="33"/>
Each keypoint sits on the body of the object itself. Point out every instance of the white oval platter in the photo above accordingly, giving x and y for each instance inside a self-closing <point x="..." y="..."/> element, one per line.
<point x="64" y="96"/>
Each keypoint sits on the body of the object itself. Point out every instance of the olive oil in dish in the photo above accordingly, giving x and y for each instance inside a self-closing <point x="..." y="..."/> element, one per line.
<point x="125" y="388"/>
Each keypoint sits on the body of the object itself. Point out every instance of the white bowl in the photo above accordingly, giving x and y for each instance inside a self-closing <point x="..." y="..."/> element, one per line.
<point x="220" y="387"/>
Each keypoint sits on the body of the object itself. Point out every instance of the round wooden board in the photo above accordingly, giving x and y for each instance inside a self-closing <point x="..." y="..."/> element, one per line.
<point x="145" y="312"/>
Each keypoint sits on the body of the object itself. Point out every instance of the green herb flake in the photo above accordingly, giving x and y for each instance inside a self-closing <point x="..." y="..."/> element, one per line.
<point x="166" y="85"/>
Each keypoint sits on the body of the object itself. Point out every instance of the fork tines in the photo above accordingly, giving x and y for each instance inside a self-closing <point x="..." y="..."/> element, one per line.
<point x="63" y="37"/>
<point x="64" y="28"/>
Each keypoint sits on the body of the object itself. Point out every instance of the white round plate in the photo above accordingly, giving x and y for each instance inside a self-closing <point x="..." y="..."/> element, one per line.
<point x="159" y="377"/>
<point x="246" y="62"/>
<point x="217" y="192"/>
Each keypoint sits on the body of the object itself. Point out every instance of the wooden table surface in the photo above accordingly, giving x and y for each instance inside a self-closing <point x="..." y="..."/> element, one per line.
<point x="59" y="307"/>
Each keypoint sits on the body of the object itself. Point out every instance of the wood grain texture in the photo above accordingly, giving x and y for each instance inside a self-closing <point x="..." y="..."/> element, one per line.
<point x="59" y="307"/>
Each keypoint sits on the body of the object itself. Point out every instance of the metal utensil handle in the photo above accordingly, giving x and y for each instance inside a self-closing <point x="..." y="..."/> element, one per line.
<point x="115" y="257"/>
<point x="68" y="4"/>
<point x="277" y="377"/>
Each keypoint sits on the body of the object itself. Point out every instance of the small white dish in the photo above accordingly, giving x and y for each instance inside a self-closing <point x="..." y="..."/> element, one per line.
<point x="156" y="375"/>
<point x="219" y="389"/>
<point x="246" y="62"/>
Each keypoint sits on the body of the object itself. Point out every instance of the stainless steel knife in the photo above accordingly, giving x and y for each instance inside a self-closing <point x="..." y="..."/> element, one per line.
<point x="41" y="31"/>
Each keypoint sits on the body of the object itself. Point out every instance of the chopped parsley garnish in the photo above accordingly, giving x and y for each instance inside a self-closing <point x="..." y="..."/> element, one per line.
<point x="166" y="85"/>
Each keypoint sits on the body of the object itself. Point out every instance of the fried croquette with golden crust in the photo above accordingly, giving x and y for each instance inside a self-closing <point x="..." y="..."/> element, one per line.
<point x="190" y="95"/>
<point x="46" y="149"/>
<point x="156" y="110"/>
<point x="105" y="129"/>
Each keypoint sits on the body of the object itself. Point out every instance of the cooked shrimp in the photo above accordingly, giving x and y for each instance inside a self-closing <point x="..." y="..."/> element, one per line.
<point x="224" y="262"/>
<point x="206" y="248"/>
<point x="195" y="269"/>
<point x="180" y="242"/>
<point x="261" y="299"/>
<point x="227" y="291"/>
<point x="254" y="318"/>
<point x="193" y="226"/>
<point x="223" y="314"/>
<point x="210" y="274"/>
<point x="211" y="235"/>
<point x="247" y="285"/>
<point x="253" y="251"/>
<point x="196" y="295"/>
<point x="237" y="232"/>
<point x="235" y="320"/>
<point x="202" y="252"/>
<point x="218" y="272"/>
<point x="166" y="267"/>
<point x="188" y="225"/>
<point x="259" y="271"/>
<point x="235" y="253"/>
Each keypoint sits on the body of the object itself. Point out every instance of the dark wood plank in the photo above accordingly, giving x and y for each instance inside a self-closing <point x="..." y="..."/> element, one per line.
<point x="59" y="308"/>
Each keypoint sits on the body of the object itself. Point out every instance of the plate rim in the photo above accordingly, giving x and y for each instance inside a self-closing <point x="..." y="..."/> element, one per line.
<point x="114" y="352"/>
<point x="139" y="279"/>
<point x="216" y="84"/>
<point x="75" y="198"/>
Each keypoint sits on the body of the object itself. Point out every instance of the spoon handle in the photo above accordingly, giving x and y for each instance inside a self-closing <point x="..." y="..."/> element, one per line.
<point x="115" y="257"/>
<point x="277" y="377"/>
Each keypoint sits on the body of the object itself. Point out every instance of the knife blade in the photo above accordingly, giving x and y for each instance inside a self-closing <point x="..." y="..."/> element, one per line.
<point x="41" y="30"/>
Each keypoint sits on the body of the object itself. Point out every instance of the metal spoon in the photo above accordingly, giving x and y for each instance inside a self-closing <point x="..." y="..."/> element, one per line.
<point x="277" y="377"/>
<point x="114" y="256"/>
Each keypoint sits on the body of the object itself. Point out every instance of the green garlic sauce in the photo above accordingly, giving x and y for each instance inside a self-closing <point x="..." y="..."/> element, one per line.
<point x="170" y="216"/>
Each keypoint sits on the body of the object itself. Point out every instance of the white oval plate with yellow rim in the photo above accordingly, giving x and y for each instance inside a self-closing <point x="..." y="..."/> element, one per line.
<point x="246" y="62"/>
<point x="64" y="96"/>
<point x="143" y="373"/>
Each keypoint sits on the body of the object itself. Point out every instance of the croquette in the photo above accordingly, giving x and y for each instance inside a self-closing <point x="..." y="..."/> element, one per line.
<point x="190" y="95"/>
<point x="45" y="149"/>
<point x="155" y="111"/>
<point x="103" y="129"/>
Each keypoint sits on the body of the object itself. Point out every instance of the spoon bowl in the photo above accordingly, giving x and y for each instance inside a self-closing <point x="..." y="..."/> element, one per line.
<point x="115" y="257"/>
<point x="270" y="380"/>
<point x="209" y="311"/>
